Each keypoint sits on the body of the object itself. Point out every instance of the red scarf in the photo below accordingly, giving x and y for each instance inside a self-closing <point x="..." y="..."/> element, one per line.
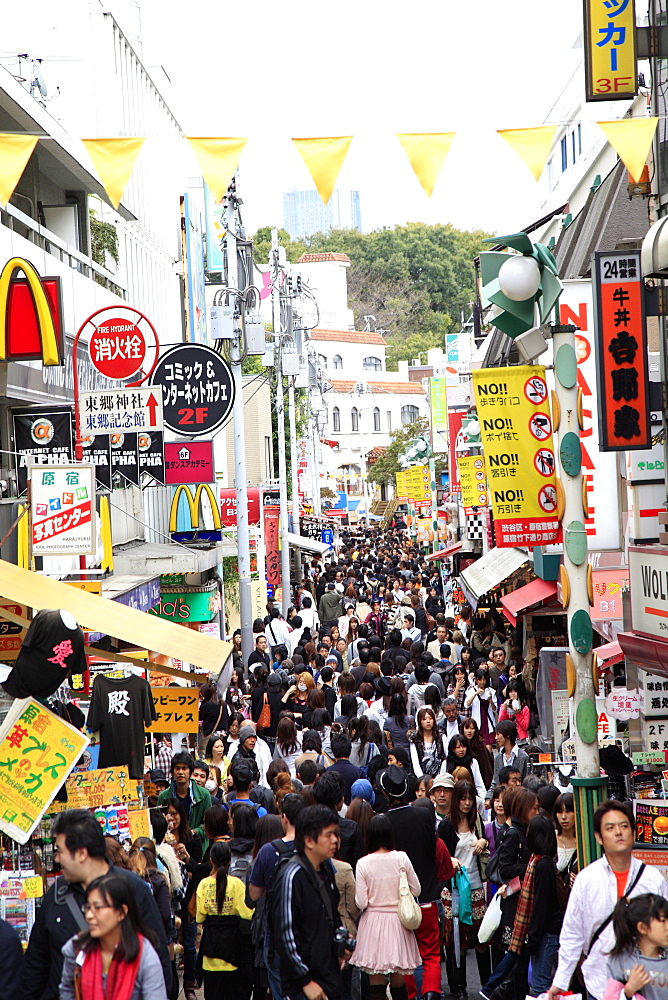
<point x="120" y="978"/>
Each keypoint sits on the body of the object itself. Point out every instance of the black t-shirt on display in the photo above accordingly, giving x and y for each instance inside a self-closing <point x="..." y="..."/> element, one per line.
<point x="51" y="652"/>
<point x="120" y="709"/>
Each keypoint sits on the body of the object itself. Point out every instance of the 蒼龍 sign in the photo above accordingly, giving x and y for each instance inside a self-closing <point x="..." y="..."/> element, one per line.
<point x="516" y="433"/>
<point x="38" y="750"/>
<point x="62" y="506"/>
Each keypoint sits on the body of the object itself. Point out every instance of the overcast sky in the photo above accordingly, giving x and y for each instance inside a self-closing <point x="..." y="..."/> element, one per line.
<point x="271" y="71"/>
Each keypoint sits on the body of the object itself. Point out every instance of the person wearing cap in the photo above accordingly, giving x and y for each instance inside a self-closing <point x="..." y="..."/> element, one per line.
<point x="253" y="748"/>
<point x="330" y="606"/>
<point x="414" y="833"/>
<point x="363" y="789"/>
<point x="399" y="756"/>
<point x="378" y="708"/>
<point x="440" y="794"/>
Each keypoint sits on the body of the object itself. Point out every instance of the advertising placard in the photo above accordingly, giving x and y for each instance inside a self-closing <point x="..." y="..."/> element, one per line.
<point x="38" y="750"/>
<point x="438" y="406"/>
<point x="11" y="634"/>
<point x="648" y="569"/>
<point x="189" y="462"/>
<point x="403" y="488"/>
<point x="120" y="411"/>
<point x="41" y="437"/>
<point x="651" y="823"/>
<point x="609" y="585"/>
<point x="622" y="363"/>
<point x="455" y="418"/>
<point x="62" y="507"/>
<point x="610" y="50"/>
<point x="177" y="709"/>
<point x="197" y="389"/>
<point x="107" y="786"/>
<point x="516" y="432"/>
<point x="473" y="482"/>
<point x="271" y="515"/>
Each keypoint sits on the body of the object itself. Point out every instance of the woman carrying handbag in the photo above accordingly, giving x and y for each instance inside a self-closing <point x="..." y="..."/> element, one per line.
<point x="385" y="947"/>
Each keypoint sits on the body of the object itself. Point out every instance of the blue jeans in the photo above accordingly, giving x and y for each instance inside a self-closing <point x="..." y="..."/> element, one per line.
<point x="273" y="977"/>
<point x="502" y="971"/>
<point x="188" y="940"/>
<point x="542" y="964"/>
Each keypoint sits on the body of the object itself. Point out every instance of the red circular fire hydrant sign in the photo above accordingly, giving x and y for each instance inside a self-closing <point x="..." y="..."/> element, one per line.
<point x="117" y="348"/>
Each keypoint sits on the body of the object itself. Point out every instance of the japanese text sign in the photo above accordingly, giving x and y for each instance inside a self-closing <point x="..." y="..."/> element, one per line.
<point x="623" y="704"/>
<point x="197" y="387"/>
<point x="271" y="517"/>
<point x="62" y="507"/>
<point x="420" y="485"/>
<point x="610" y="50"/>
<point x="189" y="462"/>
<point x="177" y="709"/>
<point x="402" y="486"/>
<point x="438" y="405"/>
<point x="117" y="348"/>
<point x="622" y="370"/>
<point x="516" y="433"/>
<point x="11" y="634"/>
<point x="455" y="419"/>
<point x="608" y="585"/>
<point x="654" y="693"/>
<point x="38" y="750"/>
<point x="473" y="482"/>
<point x="651" y="821"/>
<point x="107" y="786"/>
<point x="120" y="411"/>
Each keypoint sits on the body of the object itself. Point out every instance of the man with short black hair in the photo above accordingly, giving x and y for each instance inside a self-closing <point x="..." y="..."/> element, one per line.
<point x="328" y="791"/>
<point x="341" y="746"/>
<point x="509" y="754"/>
<point x="260" y="654"/>
<point x="80" y="851"/>
<point x="242" y="774"/>
<point x="304" y="910"/>
<point x="587" y="928"/>
<point x="195" y="799"/>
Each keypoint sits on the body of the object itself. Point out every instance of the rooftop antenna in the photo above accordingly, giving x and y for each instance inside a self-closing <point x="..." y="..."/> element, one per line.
<point x="37" y="82"/>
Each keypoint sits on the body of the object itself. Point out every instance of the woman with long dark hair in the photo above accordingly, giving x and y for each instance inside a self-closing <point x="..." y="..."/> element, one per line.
<point x="464" y="836"/>
<point x="480" y="701"/>
<point x="471" y="733"/>
<point x="363" y="747"/>
<point x="563" y="816"/>
<point x="397" y="725"/>
<point x="288" y="746"/>
<point x="427" y="751"/>
<point x="116" y="956"/>
<point x="462" y="766"/>
<point x="221" y="907"/>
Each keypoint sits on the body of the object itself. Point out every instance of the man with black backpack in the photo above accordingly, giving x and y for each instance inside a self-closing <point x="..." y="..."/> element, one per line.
<point x="308" y="939"/>
<point x="261" y="878"/>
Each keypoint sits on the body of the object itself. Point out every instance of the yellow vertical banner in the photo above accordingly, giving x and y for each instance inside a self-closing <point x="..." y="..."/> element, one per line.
<point x="38" y="750"/>
<point x="323" y="159"/>
<point x="473" y="481"/>
<point x="610" y="50"/>
<point x="15" y="151"/>
<point x="402" y="486"/>
<point x="114" y="161"/>
<point x="516" y="432"/>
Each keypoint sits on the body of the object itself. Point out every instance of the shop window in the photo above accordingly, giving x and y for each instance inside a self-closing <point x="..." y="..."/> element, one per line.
<point x="354" y="419"/>
<point x="336" y="420"/>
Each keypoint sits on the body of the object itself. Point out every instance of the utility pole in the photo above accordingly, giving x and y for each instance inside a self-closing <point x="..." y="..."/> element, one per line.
<point x="240" y="482"/>
<point x="280" y="417"/>
<point x="294" y="461"/>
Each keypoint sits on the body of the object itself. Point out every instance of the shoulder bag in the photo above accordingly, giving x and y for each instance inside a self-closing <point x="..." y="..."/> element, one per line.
<point x="408" y="910"/>
<point x="483" y="858"/>
<point x="264" y="720"/>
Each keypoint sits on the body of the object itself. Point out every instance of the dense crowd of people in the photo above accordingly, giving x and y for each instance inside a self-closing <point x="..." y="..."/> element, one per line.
<point x="358" y="815"/>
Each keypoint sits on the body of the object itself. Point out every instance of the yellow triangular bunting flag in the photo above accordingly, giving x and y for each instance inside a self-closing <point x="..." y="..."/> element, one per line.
<point x="218" y="159"/>
<point x="427" y="152"/>
<point x="631" y="139"/>
<point x="532" y="144"/>
<point x="114" y="160"/>
<point x="15" y="151"/>
<point x="324" y="159"/>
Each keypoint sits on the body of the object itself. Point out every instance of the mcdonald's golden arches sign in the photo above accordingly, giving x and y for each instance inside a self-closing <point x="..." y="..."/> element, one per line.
<point x="195" y="515"/>
<point x="31" y="323"/>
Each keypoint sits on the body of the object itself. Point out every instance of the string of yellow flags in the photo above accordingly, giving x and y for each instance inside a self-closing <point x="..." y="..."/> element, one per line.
<point x="114" y="159"/>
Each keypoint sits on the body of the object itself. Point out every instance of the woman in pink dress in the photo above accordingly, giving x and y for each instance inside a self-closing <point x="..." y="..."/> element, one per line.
<point x="384" y="946"/>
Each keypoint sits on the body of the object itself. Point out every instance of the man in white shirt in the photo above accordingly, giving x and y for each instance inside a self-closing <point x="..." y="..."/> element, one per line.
<point x="308" y="614"/>
<point x="450" y="723"/>
<point x="410" y="631"/>
<point x="277" y="631"/>
<point x="594" y="896"/>
<point x="434" y="647"/>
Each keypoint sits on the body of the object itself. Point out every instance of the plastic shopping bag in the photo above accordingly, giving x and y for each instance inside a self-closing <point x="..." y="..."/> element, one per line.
<point x="491" y="920"/>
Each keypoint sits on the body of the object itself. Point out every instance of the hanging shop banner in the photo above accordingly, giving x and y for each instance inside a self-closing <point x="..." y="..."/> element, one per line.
<point x="189" y="462"/>
<point x="11" y="634"/>
<point x="473" y="481"/>
<point x="62" y="506"/>
<point x="107" y="786"/>
<point x="97" y="451"/>
<point x="621" y="339"/>
<point x="42" y="435"/>
<point x="228" y="506"/>
<point x="651" y="821"/>
<point x="177" y="709"/>
<point x="152" y="455"/>
<point x="197" y="387"/>
<point x="402" y="486"/>
<point x="38" y="750"/>
<point x="420" y="485"/>
<point x="516" y="431"/>
<point x="120" y="411"/>
<point x="199" y="519"/>
<point x="192" y="230"/>
<point x="610" y="50"/>
<point x="438" y="408"/>
<point x="609" y="585"/>
<point x="455" y="418"/>
<point x="599" y="468"/>
<point x="271" y="516"/>
<point x="125" y="456"/>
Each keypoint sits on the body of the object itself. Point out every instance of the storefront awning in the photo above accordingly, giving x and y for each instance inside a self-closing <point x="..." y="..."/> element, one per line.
<point x="111" y="618"/>
<point x="449" y="550"/>
<point x="489" y="571"/>
<point x="608" y="654"/>
<point x="525" y="598"/>
<point x="649" y="654"/>
<point x="307" y="544"/>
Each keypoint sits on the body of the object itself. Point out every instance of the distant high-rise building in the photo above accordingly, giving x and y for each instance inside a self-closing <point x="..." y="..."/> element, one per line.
<point x="304" y="212"/>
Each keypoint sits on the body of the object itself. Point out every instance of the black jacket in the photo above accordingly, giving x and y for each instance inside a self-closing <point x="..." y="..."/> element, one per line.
<point x="55" y="924"/>
<point x="414" y="833"/>
<point x="303" y="926"/>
